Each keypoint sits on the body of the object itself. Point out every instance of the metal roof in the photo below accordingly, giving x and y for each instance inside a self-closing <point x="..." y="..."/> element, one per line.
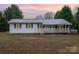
<point x="44" y="21"/>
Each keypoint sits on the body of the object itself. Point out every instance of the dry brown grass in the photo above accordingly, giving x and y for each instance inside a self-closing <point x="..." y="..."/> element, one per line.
<point x="36" y="43"/>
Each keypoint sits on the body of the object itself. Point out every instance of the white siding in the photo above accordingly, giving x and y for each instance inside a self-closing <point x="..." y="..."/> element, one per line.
<point x="23" y="29"/>
<point x="35" y="29"/>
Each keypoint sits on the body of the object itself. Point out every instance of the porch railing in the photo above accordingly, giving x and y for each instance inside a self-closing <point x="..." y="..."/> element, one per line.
<point x="53" y="30"/>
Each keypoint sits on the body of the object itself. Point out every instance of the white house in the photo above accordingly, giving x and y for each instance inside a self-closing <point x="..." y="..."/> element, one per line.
<point x="39" y="26"/>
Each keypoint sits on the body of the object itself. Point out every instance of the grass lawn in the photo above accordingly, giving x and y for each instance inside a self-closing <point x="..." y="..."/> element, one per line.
<point x="36" y="43"/>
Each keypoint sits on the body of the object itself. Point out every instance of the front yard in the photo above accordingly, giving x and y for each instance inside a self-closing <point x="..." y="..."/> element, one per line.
<point x="36" y="43"/>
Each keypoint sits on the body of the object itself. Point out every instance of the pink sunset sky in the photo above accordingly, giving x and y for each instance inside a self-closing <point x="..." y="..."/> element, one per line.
<point x="32" y="10"/>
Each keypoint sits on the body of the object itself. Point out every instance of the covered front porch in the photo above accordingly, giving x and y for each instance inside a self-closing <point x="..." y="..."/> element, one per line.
<point x="56" y="28"/>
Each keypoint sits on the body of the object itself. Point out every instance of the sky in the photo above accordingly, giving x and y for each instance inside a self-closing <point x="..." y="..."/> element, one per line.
<point x="32" y="10"/>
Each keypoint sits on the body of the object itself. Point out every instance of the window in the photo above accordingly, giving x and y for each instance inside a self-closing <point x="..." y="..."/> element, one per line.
<point x="39" y="25"/>
<point x="29" y="25"/>
<point x="18" y="25"/>
<point x="61" y="26"/>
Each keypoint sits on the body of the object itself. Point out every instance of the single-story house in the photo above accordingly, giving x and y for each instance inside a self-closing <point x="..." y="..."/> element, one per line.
<point x="39" y="26"/>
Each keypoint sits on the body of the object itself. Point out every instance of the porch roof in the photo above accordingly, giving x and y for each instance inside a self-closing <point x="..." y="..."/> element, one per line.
<point x="43" y="21"/>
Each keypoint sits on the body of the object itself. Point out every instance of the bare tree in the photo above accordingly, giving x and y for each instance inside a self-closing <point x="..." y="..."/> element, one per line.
<point x="39" y="17"/>
<point x="48" y="15"/>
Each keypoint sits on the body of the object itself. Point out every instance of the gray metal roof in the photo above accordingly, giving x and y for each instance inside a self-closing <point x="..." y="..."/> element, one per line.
<point x="44" y="21"/>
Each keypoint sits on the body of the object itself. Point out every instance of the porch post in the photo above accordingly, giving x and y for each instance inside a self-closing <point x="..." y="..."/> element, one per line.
<point x="68" y="26"/>
<point x="65" y="26"/>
